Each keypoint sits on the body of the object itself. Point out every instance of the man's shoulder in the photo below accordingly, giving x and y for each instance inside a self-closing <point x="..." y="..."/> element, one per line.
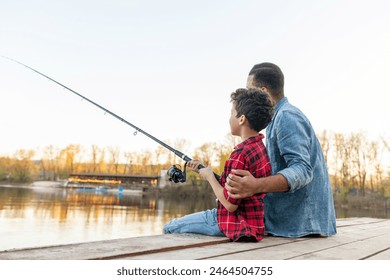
<point x="287" y="110"/>
<point x="287" y="106"/>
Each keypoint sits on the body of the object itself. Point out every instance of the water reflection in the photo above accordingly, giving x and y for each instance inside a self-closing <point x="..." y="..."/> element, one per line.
<point x="37" y="216"/>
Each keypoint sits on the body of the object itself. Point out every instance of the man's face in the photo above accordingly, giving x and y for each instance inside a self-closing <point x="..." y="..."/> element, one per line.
<point x="249" y="82"/>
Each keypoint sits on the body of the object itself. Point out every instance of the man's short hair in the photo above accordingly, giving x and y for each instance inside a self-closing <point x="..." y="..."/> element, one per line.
<point x="270" y="76"/>
<point x="255" y="104"/>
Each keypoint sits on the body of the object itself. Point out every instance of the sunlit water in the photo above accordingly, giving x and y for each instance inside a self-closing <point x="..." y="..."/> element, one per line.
<point x="38" y="216"/>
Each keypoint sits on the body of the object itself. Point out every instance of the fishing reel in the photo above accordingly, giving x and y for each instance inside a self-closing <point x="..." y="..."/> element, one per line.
<point x="176" y="175"/>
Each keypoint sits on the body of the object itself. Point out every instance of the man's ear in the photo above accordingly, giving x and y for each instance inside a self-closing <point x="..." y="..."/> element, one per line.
<point x="265" y="90"/>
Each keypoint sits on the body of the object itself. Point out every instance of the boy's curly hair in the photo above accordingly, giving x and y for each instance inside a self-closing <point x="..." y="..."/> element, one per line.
<point x="255" y="104"/>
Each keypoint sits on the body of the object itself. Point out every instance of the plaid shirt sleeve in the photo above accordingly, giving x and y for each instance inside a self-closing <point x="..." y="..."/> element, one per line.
<point x="236" y="161"/>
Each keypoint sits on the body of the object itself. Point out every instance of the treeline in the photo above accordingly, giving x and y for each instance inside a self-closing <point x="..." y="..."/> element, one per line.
<point x="57" y="163"/>
<point x="354" y="161"/>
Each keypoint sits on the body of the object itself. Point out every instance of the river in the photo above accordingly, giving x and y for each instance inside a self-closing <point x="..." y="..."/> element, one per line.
<point x="41" y="215"/>
<point x="33" y="216"/>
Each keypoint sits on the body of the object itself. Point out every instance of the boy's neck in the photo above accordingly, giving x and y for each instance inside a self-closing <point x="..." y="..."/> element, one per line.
<point x="248" y="134"/>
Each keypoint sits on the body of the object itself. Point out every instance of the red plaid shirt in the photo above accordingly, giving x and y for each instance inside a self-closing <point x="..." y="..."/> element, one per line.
<point x="247" y="222"/>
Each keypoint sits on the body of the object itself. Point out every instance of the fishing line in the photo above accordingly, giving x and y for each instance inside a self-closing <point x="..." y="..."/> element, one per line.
<point x="175" y="174"/>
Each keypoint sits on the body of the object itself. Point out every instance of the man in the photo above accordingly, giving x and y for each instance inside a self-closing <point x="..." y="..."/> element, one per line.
<point x="299" y="199"/>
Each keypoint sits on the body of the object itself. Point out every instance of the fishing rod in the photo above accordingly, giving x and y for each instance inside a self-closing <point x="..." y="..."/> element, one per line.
<point x="175" y="173"/>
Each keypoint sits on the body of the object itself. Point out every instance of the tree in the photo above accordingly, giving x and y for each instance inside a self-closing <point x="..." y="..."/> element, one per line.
<point x="386" y="144"/>
<point x="325" y="145"/>
<point x="129" y="157"/>
<point x="338" y="160"/>
<point x="5" y="163"/>
<point x="50" y="162"/>
<point x="95" y="153"/>
<point x="114" y="153"/>
<point x="223" y="151"/>
<point x="23" y="168"/>
<point x="206" y="153"/>
<point x="374" y="163"/>
<point x="358" y="146"/>
<point x="69" y="159"/>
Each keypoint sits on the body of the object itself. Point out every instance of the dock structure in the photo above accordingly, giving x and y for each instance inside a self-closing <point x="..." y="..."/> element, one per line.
<point x="114" y="180"/>
<point x="357" y="239"/>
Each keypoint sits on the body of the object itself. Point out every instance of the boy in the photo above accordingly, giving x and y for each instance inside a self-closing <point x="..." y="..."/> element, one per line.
<point x="239" y="220"/>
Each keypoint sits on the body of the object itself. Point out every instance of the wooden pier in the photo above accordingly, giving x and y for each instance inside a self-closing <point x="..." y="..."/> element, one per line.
<point x="357" y="239"/>
<point x="91" y="180"/>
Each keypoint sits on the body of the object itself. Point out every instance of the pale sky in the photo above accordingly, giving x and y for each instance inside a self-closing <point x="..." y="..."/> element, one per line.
<point x="169" y="67"/>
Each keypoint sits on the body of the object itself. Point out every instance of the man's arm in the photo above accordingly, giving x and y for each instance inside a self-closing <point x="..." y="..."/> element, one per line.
<point x="242" y="184"/>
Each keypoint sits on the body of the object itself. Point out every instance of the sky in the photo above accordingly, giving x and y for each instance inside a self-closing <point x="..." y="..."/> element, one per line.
<point x="169" y="67"/>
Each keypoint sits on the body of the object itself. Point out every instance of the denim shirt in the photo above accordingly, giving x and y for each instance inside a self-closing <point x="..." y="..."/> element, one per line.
<point x="295" y="153"/>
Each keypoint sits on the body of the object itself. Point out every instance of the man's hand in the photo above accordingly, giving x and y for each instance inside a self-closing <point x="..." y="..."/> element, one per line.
<point x="241" y="184"/>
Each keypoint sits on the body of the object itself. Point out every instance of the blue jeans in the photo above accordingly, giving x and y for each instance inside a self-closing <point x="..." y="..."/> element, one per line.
<point x="204" y="222"/>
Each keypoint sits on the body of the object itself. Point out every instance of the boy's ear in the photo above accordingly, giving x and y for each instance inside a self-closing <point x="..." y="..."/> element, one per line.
<point x="242" y="119"/>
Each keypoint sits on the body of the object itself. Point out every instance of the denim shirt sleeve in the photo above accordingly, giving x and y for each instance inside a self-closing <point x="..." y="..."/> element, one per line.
<point x="294" y="140"/>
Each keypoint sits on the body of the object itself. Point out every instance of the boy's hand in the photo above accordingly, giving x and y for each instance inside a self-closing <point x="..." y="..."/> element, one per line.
<point x="194" y="165"/>
<point x="206" y="173"/>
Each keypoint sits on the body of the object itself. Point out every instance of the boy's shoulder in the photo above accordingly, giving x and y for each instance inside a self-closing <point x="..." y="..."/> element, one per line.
<point x="250" y="146"/>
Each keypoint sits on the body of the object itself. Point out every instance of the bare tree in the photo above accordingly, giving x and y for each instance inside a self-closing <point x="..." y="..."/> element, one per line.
<point x="128" y="163"/>
<point x="70" y="158"/>
<point x="50" y="160"/>
<point x="374" y="163"/>
<point x="23" y="168"/>
<point x="325" y="145"/>
<point x="114" y="153"/>
<point x="386" y="144"/>
<point x="95" y="150"/>
<point x="206" y="153"/>
<point x="358" y="146"/>
<point x="338" y="160"/>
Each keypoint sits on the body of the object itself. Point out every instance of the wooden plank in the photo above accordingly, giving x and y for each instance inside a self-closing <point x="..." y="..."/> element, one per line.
<point x="356" y="221"/>
<point x="352" y="227"/>
<point x="358" y="238"/>
<point x="310" y="246"/>
<point x="113" y="248"/>
<point x="216" y="250"/>
<point x="359" y="250"/>
<point x="372" y="226"/>
<point x="382" y="255"/>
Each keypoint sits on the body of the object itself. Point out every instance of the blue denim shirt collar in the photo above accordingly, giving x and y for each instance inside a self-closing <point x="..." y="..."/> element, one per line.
<point x="280" y="104"/>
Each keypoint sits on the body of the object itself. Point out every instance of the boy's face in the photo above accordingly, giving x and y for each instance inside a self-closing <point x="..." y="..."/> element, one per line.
<point x="234" y="121"/>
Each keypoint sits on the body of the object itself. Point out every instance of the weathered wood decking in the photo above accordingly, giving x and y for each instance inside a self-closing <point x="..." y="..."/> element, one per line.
<point x="357" y="239"/>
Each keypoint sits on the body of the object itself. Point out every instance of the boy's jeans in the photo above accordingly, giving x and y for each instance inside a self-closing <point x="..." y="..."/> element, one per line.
<point x="204" y="222"/>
